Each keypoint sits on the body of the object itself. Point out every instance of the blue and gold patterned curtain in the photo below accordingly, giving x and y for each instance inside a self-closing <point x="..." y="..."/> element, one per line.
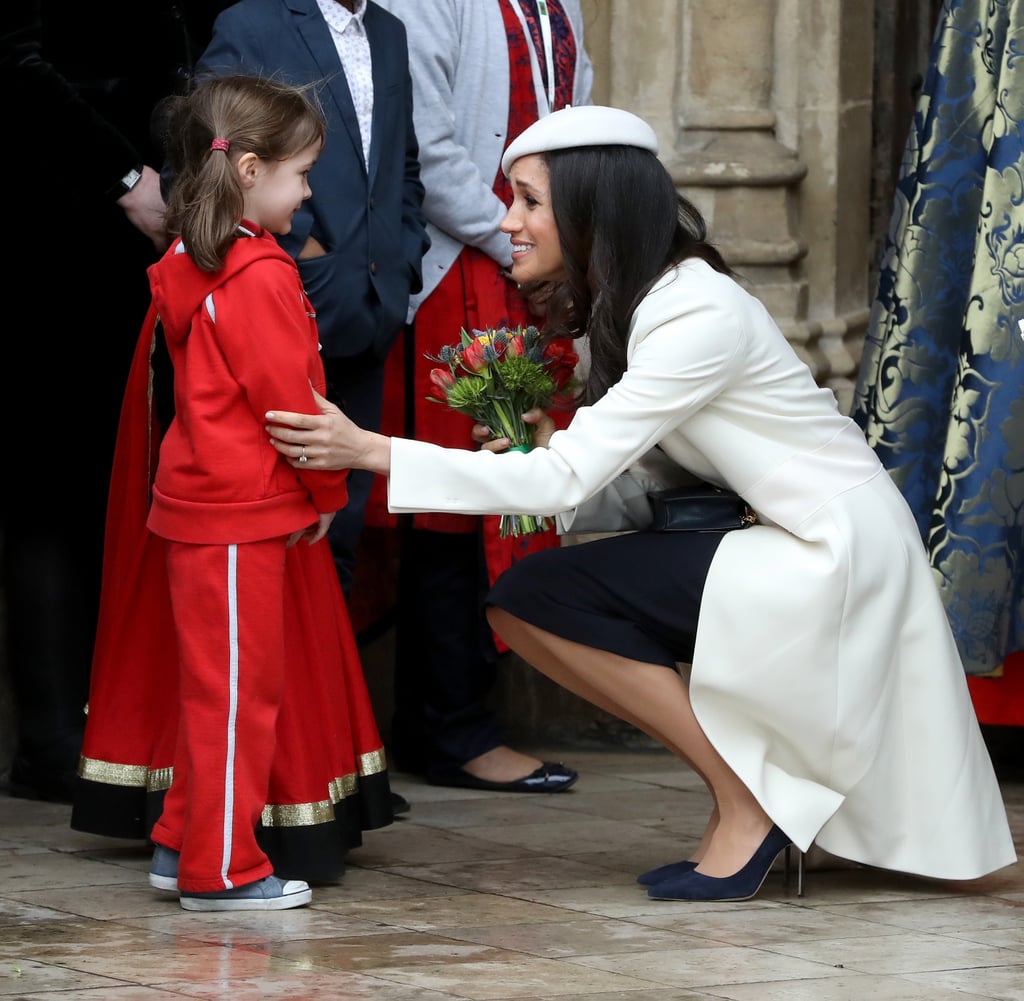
<point x="941" y="388"/>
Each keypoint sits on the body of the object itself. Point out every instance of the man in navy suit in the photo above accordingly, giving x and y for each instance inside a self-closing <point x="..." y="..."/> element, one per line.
<point x="360" y="239"/>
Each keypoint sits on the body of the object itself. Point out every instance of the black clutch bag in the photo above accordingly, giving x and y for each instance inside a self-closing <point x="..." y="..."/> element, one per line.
<point x="699" y="509"/>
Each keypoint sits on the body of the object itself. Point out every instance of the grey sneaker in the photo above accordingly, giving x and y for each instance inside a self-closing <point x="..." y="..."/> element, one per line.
<point x="163" y="871"/>
<point x="267" y="894"/>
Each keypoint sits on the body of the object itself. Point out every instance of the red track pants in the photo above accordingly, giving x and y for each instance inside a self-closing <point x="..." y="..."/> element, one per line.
<point x="228" y="614"/>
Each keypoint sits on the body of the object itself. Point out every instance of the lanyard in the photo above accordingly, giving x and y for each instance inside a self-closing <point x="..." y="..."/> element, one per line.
<point x="549" y="57"/>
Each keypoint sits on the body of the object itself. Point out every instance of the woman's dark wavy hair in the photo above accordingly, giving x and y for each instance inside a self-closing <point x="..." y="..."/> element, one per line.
<point x="621" y="224"/>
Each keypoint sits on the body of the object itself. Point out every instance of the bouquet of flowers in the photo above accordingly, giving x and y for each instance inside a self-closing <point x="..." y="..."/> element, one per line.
<point x="494" y="376"/>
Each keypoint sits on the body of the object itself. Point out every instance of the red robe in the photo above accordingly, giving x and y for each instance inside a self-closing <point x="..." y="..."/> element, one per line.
<point x="1000" y="701"/>
<point x="475" y="296"/>
<point x="329" y="780"/>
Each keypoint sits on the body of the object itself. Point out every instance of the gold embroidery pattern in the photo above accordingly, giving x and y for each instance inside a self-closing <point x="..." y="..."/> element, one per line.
<point x="274" y="815"/>
<point x="941" y="391"/>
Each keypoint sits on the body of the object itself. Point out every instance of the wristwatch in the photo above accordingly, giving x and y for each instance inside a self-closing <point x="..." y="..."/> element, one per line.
<point x="127" y="182"/>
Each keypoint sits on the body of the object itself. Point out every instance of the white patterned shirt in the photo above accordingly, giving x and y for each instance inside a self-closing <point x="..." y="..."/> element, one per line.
<point x="349" y="35"/>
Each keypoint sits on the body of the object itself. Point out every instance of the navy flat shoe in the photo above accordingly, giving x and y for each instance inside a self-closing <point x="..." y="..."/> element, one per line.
<point x="663" y="872"/>
<point x="550" y="777"/>
<point x="740" y="885"/>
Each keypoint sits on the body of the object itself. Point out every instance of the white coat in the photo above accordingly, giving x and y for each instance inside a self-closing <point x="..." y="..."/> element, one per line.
<point x="825" y="672"/>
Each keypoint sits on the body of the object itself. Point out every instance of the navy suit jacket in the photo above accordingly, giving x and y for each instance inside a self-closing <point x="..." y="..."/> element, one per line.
<point x="370" y="221"/>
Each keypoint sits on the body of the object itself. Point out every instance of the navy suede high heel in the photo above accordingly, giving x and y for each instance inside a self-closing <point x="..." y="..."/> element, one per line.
<point x="740" y="885"/>
<point x="653" y="876"/>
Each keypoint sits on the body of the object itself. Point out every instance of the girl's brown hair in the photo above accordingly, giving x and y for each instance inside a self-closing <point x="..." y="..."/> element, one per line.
<point x="254" y="114"/>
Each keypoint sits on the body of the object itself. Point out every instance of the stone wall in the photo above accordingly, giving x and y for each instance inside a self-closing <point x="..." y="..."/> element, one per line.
<point x="764" y="114"/>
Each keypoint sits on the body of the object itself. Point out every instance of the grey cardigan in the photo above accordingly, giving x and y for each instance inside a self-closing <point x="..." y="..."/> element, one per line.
<point x="458" y="55"/>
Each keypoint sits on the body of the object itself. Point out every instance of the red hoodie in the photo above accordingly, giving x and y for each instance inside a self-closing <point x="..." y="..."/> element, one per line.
<point x="242" y="340"/>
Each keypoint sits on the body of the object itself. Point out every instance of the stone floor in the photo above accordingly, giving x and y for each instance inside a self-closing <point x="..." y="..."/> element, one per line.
<point x="481" y="896"/>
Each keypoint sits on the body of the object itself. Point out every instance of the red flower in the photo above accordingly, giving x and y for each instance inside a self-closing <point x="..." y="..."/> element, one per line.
<point x="472" y="357"/>
<point x="442" y="380"/>
<point x="560" y="362"/>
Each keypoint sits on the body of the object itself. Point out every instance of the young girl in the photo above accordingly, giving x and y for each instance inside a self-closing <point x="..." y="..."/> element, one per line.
<point x="269" y="672"/>
<point x="826" y="700"/>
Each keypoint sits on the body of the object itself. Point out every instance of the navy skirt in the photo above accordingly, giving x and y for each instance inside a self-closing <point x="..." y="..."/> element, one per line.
<point x="637" y="595"/>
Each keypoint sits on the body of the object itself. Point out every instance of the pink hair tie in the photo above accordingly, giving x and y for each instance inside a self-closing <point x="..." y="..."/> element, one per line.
<point x="219" y="143"/>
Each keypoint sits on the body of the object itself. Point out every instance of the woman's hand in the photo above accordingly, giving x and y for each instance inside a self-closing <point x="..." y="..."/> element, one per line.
<point x="328" y="440"/>
<point x="543" y="428"/>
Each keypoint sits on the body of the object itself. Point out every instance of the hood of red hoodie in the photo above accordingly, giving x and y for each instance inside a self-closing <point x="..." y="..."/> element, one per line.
<point x="179" y="287"/>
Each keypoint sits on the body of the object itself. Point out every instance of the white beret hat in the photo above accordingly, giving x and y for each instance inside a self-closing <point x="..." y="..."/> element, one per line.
<point x="584" y="125"/>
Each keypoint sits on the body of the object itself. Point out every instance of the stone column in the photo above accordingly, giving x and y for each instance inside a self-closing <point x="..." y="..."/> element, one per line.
<point x="763" y="110"/>
<point x="728" y="159"/>
<point x="824" y="56"/>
